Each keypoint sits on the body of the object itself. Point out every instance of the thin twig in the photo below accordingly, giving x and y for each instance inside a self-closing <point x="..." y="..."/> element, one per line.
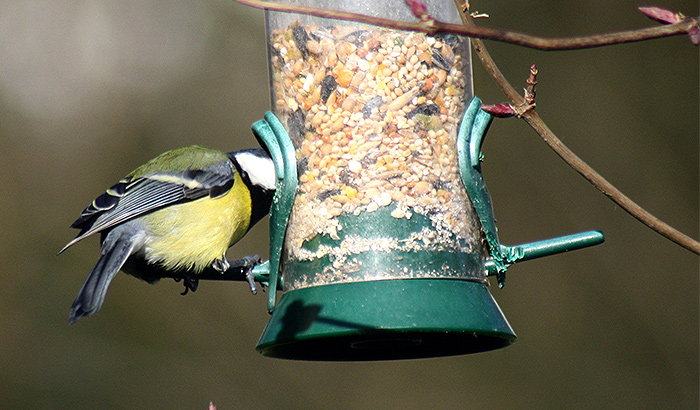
<point x="534" y="120"/>
<point x="531" y="84"/>
<point x="432" y="26"/>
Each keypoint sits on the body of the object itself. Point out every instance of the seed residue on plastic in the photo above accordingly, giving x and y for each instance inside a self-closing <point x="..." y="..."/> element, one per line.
<point x="375" y="114"/>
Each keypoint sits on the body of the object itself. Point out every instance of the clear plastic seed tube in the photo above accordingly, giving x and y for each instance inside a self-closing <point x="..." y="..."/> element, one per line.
<point x="373" y="114"/>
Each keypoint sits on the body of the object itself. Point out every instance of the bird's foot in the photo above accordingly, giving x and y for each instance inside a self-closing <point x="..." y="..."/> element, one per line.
<point x="221" y="264"/>
<point x="246" y="264"/>
<point x="191" y="283"/>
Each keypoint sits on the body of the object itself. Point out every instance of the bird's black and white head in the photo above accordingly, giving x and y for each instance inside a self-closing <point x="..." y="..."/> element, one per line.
<point x="258" y="172"/>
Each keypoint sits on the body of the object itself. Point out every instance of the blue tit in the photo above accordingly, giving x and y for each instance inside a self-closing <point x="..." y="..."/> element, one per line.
<point x="174" y="216"/>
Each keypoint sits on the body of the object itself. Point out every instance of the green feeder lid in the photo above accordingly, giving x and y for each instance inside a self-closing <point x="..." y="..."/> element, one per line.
<point x="385" y="320"/>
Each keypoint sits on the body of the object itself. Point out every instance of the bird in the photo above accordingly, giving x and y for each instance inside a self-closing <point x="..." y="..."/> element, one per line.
<point x="175" y="216"/>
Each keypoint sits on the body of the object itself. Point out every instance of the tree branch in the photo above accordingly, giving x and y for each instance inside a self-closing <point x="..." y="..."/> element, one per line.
<point x="534" y="120"/>
<point x="431" y="26"/>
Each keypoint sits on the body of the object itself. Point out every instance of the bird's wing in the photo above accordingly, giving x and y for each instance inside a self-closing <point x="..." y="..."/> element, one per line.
<point x="132" y="197"/>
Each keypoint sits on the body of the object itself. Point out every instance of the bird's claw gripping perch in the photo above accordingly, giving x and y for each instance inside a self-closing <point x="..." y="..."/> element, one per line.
<point x="246" y="265"/>
<point x="191" y="283"/>
<point x="236" y="269"/>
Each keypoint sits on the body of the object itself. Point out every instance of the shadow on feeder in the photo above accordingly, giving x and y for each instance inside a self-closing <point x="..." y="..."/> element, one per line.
<point x="292" y="327"/>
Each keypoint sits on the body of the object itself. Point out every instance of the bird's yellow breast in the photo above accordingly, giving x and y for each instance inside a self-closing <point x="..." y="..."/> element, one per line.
<point x="193" y="234"/>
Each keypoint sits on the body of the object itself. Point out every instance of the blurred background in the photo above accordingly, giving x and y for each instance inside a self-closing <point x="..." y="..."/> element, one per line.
<point x="91" y="89"/>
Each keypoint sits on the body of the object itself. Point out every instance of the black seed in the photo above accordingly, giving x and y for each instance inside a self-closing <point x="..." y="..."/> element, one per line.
<point x="300" y="39"/>
<point x="347" y="178"/>
<point x="444" y="185"/>
<point x="450" y="39"/>
<point x="321" y="34"/>
<point x="327" y="194"/>
<point x="276" y="53"/>
<point x="439" y="60"/>
<point x="328" y="85"/>
<point x="375" y="102"/>
<point x="302" y="165"/>
<point x="425" y="109"/>
<point x="370" y="160"/>
<point x="356" y="37"/>
<point x="296" y="126"/>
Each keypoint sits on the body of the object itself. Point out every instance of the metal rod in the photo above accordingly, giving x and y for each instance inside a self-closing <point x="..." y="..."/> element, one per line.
<point x="552" y="246"/>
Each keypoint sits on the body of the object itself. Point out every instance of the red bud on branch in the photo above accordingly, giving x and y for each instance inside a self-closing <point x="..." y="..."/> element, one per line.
<point x="662" y="15"/>
<point x="668" y="17"/>
<point x="418" y="8"/>
<point x="694" y="34"/>
<point x="500" y="110"/>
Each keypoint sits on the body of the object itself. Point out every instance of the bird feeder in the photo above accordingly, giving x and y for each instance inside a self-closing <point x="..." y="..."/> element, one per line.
<point x="382" y="230"/>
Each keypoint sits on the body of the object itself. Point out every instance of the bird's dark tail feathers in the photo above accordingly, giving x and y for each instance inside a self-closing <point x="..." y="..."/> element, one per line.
<point x="115" y="250"/>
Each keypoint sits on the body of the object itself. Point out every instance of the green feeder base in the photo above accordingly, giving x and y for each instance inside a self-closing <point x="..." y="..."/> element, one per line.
<point x="385" y="320"/>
